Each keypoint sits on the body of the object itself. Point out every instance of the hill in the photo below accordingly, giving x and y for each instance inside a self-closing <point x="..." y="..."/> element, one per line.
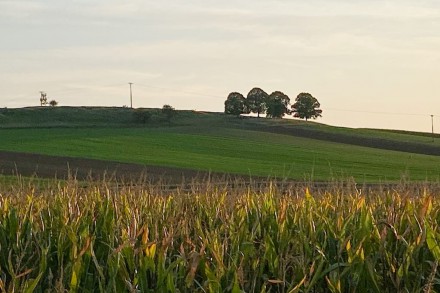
<point x="215" y="142"/>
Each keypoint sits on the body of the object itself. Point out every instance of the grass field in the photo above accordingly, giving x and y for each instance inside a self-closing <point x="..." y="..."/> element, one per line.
<point x="122" y="117"/>
<point x="226" y="150"/>
<point x="215" y="142"/>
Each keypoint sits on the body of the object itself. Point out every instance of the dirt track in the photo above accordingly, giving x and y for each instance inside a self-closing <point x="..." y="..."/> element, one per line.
<point x="43" y="166"/>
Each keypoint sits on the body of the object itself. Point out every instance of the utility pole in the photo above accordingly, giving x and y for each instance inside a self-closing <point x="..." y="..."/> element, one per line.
<point x="131" y="96"/>
<point x="432" y="125"/>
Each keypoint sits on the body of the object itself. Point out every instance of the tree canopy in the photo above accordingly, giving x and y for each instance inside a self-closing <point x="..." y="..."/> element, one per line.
<point x="256" y="100"/>
<point x="306" y="106"/>
<point x="277" y="104"/>
<point x="236" y="104"/>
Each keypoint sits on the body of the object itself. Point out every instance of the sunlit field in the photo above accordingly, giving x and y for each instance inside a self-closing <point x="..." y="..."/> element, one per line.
<point x="214" y="142"/>
<point x="242" y="152"/>
<point x="116" y="238"/>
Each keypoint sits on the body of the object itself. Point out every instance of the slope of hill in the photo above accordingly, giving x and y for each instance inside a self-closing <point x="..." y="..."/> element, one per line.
<point x="215" y="142"/>
<point x="74" y="117"/>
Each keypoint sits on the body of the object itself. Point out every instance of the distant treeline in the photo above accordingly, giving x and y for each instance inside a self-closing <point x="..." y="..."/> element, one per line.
<point x="275" y="105"/>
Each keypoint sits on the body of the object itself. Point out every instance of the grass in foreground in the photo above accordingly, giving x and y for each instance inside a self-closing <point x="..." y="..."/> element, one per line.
<point x="129" y="239"/>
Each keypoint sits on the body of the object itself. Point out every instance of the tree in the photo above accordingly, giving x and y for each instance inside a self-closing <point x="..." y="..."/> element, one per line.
<point x="169" y="112"/>
<point x="235" y="104"/>
<point x="53" y="103"/>
<point x="277" y="104"/>
<point x="256" y="100"/>
<point x="43" y="99"/>
<point x="306" y="106"/>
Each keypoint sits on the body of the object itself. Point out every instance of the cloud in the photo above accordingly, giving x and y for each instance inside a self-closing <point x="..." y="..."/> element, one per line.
<point x="335" y="49"/>
<point x="19" y="9"/>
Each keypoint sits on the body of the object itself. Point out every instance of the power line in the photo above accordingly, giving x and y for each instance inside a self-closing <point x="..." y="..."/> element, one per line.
<point x="381" y="113"/>
<point x="331" y="109"/>
<point x="183" y="92"/>
<point x="82" y="89"/>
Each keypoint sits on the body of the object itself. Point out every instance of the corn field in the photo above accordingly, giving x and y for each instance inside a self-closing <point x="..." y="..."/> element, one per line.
<point x="68" y="238"/>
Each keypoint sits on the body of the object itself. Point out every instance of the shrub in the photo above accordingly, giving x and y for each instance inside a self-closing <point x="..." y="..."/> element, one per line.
<point x="142" y="116"/>
<point x="53" y="103"/>
<point x="169" y="112"/>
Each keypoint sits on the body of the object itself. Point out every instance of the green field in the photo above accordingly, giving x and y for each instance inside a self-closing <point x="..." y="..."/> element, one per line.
<point x="218" y="143"/>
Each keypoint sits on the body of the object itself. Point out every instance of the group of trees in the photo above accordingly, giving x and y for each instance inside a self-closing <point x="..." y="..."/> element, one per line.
<point x="44" y="102"/>
<point x="275" y="105"/>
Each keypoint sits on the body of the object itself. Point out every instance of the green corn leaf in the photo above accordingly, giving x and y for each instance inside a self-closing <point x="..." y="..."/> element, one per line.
<point x="31" y="285"/>
<point x="432" y="242"/>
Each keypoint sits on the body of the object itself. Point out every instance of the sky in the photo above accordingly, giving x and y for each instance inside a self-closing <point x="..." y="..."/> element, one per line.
<point x="369" y="63"/>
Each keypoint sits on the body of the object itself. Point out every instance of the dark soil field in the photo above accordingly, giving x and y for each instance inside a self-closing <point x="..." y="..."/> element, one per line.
<point x="43" y="166"/>
<point x="167" y="178"/>
<point x="365" y="141"/>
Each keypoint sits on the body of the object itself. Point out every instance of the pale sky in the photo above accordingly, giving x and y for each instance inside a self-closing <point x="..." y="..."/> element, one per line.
<point x="373" y="57"/>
